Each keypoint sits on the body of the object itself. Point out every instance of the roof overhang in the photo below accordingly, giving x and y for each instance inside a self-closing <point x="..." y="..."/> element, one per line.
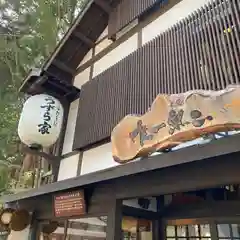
<point x="57" y="74"/>
<point x="216" y="148"/>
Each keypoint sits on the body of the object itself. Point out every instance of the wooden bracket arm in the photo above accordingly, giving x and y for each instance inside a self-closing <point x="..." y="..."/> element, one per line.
<point x="49" y="157"/>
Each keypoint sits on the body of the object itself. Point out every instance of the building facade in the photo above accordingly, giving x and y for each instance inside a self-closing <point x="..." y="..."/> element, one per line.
<point x="114" y="61"/>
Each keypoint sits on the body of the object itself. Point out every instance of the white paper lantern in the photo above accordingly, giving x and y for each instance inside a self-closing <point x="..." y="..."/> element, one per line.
<point x="40" y="121"/>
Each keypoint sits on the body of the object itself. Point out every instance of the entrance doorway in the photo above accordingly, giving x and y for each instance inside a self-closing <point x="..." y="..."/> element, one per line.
<point x="134" y="228"/>
<point x="205" y="214"/>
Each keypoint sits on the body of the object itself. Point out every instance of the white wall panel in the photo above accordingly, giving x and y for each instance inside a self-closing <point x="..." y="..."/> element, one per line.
<point x="97" y="159"/>
<point x="70" y="129"/>
<point x="68" y="167"/>
<point x="169" y="18"/>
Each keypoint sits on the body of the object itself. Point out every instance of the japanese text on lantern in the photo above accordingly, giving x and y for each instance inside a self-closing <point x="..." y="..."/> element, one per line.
<point x="48" y="107"/>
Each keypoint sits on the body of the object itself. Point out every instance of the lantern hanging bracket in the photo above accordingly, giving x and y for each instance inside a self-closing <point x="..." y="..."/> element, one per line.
<point x="49" y="157"/>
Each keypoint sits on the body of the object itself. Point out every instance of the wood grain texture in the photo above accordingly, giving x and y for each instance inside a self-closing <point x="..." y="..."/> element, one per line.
<point x="174" y="119"/>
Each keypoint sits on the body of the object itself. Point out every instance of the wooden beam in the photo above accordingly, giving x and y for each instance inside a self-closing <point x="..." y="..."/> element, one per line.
<point x="50" y="158"/>
<point x="139" y="213"/>
<point x="202" y="210"/>
<point x="114" y="220"/>
<point x="182" y="161"/>
<point x="63" y="66"/>
<point x="104" y="5"/>
<point x="211" y="173"/>
<point x="84" y="39"/>
<point x="36" y="86"/>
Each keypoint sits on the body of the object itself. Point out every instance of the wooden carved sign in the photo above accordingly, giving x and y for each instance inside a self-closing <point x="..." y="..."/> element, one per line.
<point x="69" y="204"/>
<point x="174" y="119"/>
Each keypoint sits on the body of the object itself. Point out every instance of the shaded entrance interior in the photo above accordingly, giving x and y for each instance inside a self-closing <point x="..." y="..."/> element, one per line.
<point x="206" y="214"/>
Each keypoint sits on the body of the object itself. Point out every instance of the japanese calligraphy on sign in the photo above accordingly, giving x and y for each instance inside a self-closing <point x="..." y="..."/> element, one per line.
<point x="172" y="120"/>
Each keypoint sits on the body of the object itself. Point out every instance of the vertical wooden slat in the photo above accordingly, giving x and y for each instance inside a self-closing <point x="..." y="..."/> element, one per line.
<point x="203" y="68"/>
<point x="142" y="81"/>
<point x="168" y="63"/>
<point x="174" y="72"/>
<point x="192" y="77"/>
<point x="149" y="82"/>
<point x="164" y="62"/>
<point x="161" y="63"/>
<point x="225" y="48"/>
<point x="230" y="40"/>
<point x="186" y="57"/>
<point x="136" y="82"/>
<point x="178" y="54"/>
<point x="155" y="67"/>
<point x="236" y="23"/>
<point x="218" y="44"/>
<point x="214" y="45"/>
<point x="195" y="53"/>
<point x="181" y="59"/>
<point x="214" y="82"/>
<point x="229" y="49"/>
<point x="206" y="52"/>
<point x="170" y="74"/>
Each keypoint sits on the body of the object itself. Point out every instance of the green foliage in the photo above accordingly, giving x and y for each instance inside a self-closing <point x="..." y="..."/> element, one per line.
<point x="29" y="32"/>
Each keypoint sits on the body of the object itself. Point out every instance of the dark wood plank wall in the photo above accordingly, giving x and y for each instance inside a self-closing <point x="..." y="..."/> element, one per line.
<point x="200" y="52"/>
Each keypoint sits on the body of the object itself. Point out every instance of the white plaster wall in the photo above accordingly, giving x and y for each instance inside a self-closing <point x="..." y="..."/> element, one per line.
<point x="134" y="203"/>
<point x="103" y="34"/>
<point x="87" y="57"/>
<point x="97" y="159"/>
<point x="172" y="16"/>
<point x="68" y="167"/>
<point x="104" y="43"/>
<point x="70" y="130"/>
<point x="82" y="78"/>
<point x="20" y="235"/>
<point x="117" y="54"/>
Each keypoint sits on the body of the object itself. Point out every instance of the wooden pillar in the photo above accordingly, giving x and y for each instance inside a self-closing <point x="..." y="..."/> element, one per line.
<point x="114" y="221"/>
<point x="34" y="230"/>
<point x="158" y="224"/>
<point x="158" y="230"/>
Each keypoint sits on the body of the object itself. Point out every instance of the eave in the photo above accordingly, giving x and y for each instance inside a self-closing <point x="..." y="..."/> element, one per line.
<point x="57" y="74"/>
<point x="196" y="153"/>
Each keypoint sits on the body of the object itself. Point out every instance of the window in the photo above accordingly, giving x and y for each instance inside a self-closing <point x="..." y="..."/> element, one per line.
<point x="58" y="234"/>
<point x="185" y="232"/>
<point x="87" y="228"/>
<point x="75" y="229"/>
<point x="228" y="231"/>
